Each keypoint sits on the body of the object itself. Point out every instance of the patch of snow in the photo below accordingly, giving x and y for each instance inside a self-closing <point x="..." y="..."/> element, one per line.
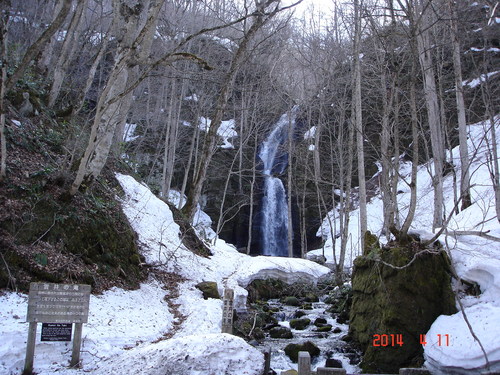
<point x="311" y="148"/>
<point x="193" y="97"/>
<point x="61" y="35"/>
<point x="310" y="133"/>
<point x="17" y="123"/>
<point x="128" y="134"/>
<point x="477" y="81"/>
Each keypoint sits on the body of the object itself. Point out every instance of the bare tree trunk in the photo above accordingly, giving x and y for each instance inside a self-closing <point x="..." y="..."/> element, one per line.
<point x="433" y="112"/>
<point x="385" y="180"/>
<point x="358" y="124"/>
<point x="67" y="50"/>
<point x="167" y="159"/>
<point x="36" y="47"/>
<point x="289" y="185"/>
<point x="114" y="102"/>
<point x="4" y="26"/>
<point x="415" y="149"/>
<point x="462" y="123"/>
<point x="252" y="189"/>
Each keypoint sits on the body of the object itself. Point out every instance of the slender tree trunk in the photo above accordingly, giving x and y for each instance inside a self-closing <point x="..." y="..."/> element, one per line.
<point x="167" y="159"/>
<point x="4" y="25"/>
<point x="462" y="123"/>
<point x="36" y="47"/>
<point x="358" y="124"/>
<point x="433" y="112"/>
<point x="385" y="156"/>
<point x="252" y="192"/>
<point x="67" y="50"/>
<point x="289" y="185"/>
<point x="415" y="139"/>
<point x="114" y="102"/>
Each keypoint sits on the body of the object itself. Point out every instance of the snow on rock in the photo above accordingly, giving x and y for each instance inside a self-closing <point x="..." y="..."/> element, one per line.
<point x="212" y="354"/>
<point x="289" y="270"/>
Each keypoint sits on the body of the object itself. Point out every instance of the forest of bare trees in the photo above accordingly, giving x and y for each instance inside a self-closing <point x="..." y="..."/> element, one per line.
<point x="183" y="93"/>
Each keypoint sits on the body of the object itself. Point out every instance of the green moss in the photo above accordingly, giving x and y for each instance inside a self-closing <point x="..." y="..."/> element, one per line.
<point x="91" y="235"/>
<point x="292" y="350"/>
<point x="209" y="289"/>
<point x="300" y="324"/>
<point x="391" y="301"/>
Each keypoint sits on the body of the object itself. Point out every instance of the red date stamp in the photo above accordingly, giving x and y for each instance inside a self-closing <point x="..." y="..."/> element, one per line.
<point x="397" y="340"/>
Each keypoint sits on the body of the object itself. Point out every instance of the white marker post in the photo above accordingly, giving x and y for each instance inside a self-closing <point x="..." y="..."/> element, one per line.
<point x="56" y="303"/>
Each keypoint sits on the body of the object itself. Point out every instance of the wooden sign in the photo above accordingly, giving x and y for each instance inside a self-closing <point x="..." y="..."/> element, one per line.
<point x="58" y="303"/>
<point x="227" y="311"/>
<point x="61" y="305"/>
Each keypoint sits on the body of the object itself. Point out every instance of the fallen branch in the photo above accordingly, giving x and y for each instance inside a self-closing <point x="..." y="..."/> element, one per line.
<point x="475" y="233"/>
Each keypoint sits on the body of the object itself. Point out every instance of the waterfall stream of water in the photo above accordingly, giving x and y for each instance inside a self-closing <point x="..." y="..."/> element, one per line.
<point x="274" y="203"/>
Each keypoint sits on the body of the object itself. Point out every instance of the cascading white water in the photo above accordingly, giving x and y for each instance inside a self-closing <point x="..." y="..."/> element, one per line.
<point x="274" y="204"/>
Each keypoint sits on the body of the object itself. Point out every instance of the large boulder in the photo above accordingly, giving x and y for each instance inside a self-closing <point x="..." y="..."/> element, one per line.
<point x="399" y="301"/>
<point x="209" y="289"/>
<point x="292" y="350"/>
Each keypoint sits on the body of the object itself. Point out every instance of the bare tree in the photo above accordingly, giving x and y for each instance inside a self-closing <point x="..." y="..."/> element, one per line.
<point x="4" y="26"/>
<point x="260" y="17"/>
<point x="424" y="44"/>
<point x="358" y="121"/>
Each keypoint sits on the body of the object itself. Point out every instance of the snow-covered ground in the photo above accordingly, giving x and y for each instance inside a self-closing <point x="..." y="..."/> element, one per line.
<point x="126" y="329"/>
<point x="476" y="259"/>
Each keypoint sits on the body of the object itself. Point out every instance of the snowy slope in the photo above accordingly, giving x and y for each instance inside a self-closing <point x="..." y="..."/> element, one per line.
<point x="475" y="258"/>
<point x="126" y="329"/>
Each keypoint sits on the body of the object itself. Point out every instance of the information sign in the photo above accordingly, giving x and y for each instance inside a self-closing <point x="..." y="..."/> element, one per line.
<point x="57" y="307"/>
<point x="58" y="303"/>
<point x="56" y="331"/>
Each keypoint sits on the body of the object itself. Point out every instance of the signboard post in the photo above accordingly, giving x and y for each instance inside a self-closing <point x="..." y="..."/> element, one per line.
<point x="227" y="312"/>
<point x="58" y="304"/>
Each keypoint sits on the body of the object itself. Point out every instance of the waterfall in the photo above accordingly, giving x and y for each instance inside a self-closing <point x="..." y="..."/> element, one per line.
<point x="274" y="204"/>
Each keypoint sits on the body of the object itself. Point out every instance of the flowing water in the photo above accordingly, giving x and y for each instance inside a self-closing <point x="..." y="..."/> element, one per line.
<point x="329" y="343"/>
<point x="274" y="204"/>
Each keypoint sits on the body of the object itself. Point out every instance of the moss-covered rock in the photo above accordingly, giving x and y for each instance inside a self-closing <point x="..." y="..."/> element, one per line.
<point x="281" y="332"/>
<point x="311" y="297"/>
<point x="209" y="289"/>
<point x="299" y="314"/>
<point x="300" y="324"/>
<point x="291" y="301"/>
<point x="307" y="306"/>
<point x="265" y="289"/>
<point x="324" y="328"/>
<point x="319" y="322"/>
<point x="292" y="350"/>
<point x="388" y="300"/>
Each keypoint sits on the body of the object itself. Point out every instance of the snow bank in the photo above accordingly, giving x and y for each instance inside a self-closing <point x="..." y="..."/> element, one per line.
<point x="213" y="354"/>
<point x="118" y="320"/>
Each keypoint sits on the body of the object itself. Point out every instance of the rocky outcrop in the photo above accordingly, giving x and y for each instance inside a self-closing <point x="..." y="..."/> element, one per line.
<point x="399" y="301"/>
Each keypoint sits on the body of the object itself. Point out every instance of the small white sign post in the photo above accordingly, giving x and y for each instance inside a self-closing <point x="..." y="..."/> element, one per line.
<point x="56" y="303"/>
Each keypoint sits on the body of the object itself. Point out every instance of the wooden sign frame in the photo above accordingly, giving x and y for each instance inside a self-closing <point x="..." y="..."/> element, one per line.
<point x="56" y="303"/>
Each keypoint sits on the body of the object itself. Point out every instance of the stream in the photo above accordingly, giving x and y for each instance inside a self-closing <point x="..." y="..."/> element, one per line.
<point x="329" y="343"/>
